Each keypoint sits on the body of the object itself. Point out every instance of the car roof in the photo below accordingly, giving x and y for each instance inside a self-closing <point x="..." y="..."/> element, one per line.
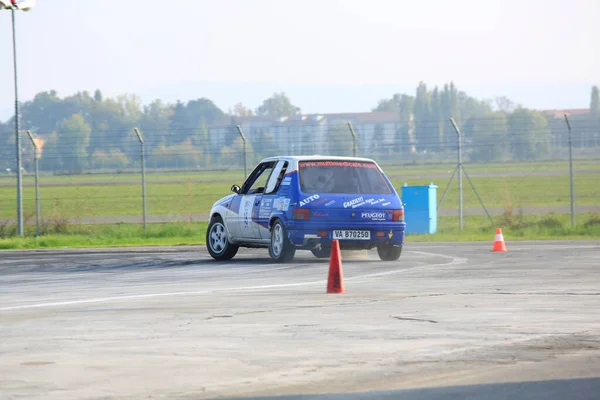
<point x="317" y="157"/>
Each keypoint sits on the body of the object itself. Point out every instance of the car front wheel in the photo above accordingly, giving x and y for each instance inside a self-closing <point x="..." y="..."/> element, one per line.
<point x="281" y="249"/>
<point x="387" y="252"/>
<point x="217" y="242"/>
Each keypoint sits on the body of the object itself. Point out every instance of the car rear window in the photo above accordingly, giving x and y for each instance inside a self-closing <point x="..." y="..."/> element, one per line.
<point x="345" y="177"/>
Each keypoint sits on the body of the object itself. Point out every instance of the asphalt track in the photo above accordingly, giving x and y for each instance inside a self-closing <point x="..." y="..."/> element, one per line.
<point x="447" y="321"/>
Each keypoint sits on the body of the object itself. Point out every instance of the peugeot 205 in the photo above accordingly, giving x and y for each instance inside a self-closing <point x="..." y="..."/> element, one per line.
<point x="304" y="203"/>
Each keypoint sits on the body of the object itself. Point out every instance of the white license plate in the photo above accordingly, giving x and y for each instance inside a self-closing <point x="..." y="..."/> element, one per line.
<point x="351" y="235"/>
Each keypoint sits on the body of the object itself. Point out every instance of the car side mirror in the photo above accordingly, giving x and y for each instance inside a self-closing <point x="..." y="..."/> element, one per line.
<point x="235" y="189"/>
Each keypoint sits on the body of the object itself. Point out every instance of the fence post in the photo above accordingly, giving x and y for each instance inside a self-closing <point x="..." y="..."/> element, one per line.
<point x="353" y="138"/>
<point x="36" y="161"/>
<point x="143" y="161"/>
<point x="459" y="169"/>
<point x="571" y="173"/>
<point x="239" y="128"/>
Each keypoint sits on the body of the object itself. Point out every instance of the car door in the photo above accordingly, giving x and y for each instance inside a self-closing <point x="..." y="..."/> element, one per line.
<point x="268" y="199"/>
<point x="251" y="193"/>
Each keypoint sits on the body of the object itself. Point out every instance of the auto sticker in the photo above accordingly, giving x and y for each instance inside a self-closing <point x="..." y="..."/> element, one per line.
<point x="309" y="200"/>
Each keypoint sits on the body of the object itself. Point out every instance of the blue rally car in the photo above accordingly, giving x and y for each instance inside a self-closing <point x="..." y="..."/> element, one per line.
<point x="303" y="203"/>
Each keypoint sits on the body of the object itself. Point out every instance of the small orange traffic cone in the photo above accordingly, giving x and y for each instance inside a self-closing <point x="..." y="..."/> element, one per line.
<point x="499" y="245"/>
<point x="335" y="282"/>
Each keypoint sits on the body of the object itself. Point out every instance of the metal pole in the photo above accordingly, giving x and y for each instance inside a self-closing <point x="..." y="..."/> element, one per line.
<point x="571" y="173"/>
<point x="353" y="138"/>
<point x="143" y="161"/>
<point x="241" y="132"/>
<point x="18" y="136"/>
<point x="37" y="184"/>
<point x="460" y="192"/>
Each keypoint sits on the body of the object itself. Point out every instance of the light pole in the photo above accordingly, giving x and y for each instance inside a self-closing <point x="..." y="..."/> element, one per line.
<point x="13" y="5"/>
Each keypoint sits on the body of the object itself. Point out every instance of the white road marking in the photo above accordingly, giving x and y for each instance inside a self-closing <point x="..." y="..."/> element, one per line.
<point x="453" y="261"/>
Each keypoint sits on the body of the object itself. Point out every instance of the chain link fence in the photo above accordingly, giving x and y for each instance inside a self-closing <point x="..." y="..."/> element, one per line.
<point x="517" y="163"/>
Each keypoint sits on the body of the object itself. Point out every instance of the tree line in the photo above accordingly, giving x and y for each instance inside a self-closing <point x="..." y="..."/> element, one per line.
<point x="92" y="131"/>
<point x="493" y="129"/>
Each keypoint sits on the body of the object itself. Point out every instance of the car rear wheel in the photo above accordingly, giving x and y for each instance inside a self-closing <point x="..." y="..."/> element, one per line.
<point x="281" y="249"/>
<point x="387" y="252"/>
<point x="320" y="252"/>
<point x="217" y="242"/>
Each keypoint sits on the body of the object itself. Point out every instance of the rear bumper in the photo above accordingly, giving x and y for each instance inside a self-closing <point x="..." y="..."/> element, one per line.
<point x="307" y="234"/>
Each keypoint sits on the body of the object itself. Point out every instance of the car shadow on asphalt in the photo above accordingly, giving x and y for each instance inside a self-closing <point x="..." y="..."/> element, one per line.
<point x="572" y="389"/>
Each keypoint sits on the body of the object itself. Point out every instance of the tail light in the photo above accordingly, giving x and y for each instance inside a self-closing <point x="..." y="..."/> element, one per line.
<point x="398" y="216"/>
<point x="301" y="214"/>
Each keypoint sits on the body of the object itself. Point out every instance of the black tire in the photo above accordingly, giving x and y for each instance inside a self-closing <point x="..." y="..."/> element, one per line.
<point x="217" y="242"/>
<point x="320" y="252"/>
<point x="281" y="249"/>
<point x="387" y="252"/>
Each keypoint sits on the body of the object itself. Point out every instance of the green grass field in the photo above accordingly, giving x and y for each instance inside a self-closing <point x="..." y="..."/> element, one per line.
<point x="534" y="186"/>
<point x="189" y="196"/>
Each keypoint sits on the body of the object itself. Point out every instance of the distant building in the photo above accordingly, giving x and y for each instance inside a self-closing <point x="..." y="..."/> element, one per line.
<point x="570" y="112"/>
<point x="310" y="133"/>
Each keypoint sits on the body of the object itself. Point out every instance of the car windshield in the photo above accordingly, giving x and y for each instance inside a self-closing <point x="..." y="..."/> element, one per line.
<point x="347" y="177"/>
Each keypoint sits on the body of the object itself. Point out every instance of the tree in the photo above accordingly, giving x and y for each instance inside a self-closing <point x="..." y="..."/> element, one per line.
<point x="199" y="139"/>
<point x="378" y="139"/>
<point x="176" y="156"/>
<point x="505" y="104"/>
<point x="452" y="107"/>
<point x="98" y="96"/>
<point x="595" y="101"/>
<point x="403" y="105"/>
<point x="278" y="105"/>
<point x="240" y="110"/>
<point x="200" y="134"/>
<point x="43" y="112"/>
<point x="488" y="137"/>
<point x="73" y="136"/>
<point x="113" y="160"/>
<point x="529" y="135"/>
<point x="187" y="117"/>
<point x="51" y="159"/>
<point x="7" y="147"/>
<point x="155" y="123"/>
<point x="339" y="139"/>
<point x="470" y="107"/>
<point x="422" y="110"/>
<point x="437" y="120"/>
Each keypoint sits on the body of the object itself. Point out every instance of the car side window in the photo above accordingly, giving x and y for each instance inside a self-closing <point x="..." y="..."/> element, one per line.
<point x="276" y="177"/>
<point x="257" y="182"/>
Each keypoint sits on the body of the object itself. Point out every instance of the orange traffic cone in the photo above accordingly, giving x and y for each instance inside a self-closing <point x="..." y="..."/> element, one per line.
<point x="499" y="241"/>
<point x="335" y="282"/>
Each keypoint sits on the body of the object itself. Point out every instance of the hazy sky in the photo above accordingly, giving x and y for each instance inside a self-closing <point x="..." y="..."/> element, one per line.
<point x="328" y="55"/>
